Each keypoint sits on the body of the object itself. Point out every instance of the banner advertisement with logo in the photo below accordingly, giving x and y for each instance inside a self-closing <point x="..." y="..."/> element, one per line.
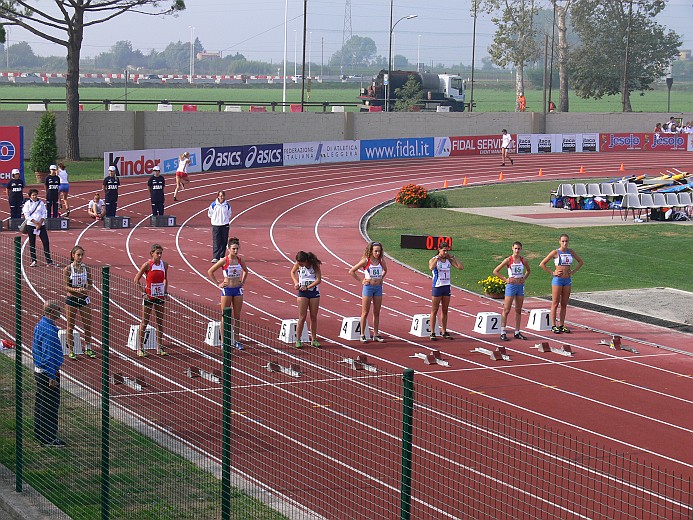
<point x="469" y="145"/>
<point x="140" y="162"/>
<point x="623" y="142"/>
<point x="11" y="152"/>
<point x="321" y="152"/>
<point x="672" y="142"/>
<point x="404" y="148"/>
<point x="221" y="158"/>
<point x="539" y="143"/>
<point x="690" y="143"/>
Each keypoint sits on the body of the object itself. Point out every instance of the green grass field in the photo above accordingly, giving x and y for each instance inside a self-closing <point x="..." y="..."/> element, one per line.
<point x="489" y="97"/>
<point x="618" y="257"/>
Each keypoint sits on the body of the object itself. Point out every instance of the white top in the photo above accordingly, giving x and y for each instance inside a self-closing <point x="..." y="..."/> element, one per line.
<point x="306" y="276"/>
<point x="219" y="213"/>
<point x="99" y="205"/>
<point x="516" y="269"/>
<point x="78" y="278"/>
<point x="373" y="271"/>
<point x="34" y="211"/>
<point x="183" y="164"/>
<point x="441" y="273"/>
<point x="507" y="139"/>
<point x="63" y="176"/>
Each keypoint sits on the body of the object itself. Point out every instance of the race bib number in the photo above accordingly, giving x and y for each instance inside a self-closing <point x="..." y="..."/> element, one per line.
<point x="157" y="289"/>
<point x="376" y="271"/>
<point x="516" y="270"/>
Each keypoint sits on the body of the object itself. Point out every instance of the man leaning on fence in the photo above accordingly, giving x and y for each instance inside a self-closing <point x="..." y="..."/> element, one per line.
<point x="48" y="358"/>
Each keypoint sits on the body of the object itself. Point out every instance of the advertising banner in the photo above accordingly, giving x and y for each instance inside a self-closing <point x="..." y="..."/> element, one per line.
<point x="673" y="142"/>
<point x="404" y="148"/>
<point x="469" y="145"/>
<point x="588" y="142"/>
<point x="321" y="152"/>
<point x="623" y="142"/>
<point x="11" y="152"/>
<point x="222" y="158"/>
<point x="690" y="143"/>
<point x="524" y="143"/>
<point x="141" y="162"/>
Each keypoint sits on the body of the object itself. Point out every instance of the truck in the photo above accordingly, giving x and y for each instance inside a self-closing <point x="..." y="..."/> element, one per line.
<point x="437" y="90"/>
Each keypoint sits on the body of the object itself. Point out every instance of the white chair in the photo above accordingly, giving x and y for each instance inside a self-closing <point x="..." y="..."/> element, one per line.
<point x="566" y="190"/>
<point x="632" y="203"/>
<point x="607" y="189"/>
<point x="581" y="190"/>
<point x="619" y="189"/>
<point x="686" y="201"/>
<point x="594" y="190"/>
<point x="631" y="187"/>
<point x="660" y="200"/>
<point x="647" y="200"/>
<point x="672" y="200"/>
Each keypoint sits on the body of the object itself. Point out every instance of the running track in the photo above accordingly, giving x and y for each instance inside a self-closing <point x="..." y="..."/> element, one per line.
<point x="626" y="402"/>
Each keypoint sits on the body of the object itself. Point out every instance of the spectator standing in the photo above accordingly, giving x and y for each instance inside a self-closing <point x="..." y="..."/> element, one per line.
<point x="219" y="214"/>
<point x="506" y="143"/>
<point x="52" y="184"/>
<point x="521" y="103"/>
<point x="15" y="194"/>
<point x="182" y="173"/>
<point x="110" y="190"/>
<point x="34" y="211"/>
<point x="48" y="358"/>
<point x="77" y="284"/>
<point x="64" y="189"/>
<point x="96" y="208"/>
<point x="156" y="185"/>
<point x="155" y="292"/>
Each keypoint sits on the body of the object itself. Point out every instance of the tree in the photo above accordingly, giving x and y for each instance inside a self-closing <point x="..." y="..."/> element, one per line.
<point x="66" y="27"/>
<point x="357" y="51"/>
<point x="408" y="95"/>
<point x="623" y="48"/>
<point x="44" y="148"/>
<point x="514" y="41"/>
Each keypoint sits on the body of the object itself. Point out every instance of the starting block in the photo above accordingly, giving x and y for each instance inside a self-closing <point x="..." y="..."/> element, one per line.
<point x="495" y="355"/>
<point x="487" y="323"/>
<point x="214" y="376"/>
<point x="149" y="340"/>
<point x="213" y="336"/>
<point x="359" y="363"/>
<point x="292" y="370"/>
<point x="432" y="359"/>
<point x="351" y="329"/>
<point x="539" y="319"/>
<point x="135" y="383"/>
<point x="62" y="336"/>
<point x="287" y="332"/>
<point x="421" y="326"/>
<point x="565" y="350"/>
<point x="616" y="344"/>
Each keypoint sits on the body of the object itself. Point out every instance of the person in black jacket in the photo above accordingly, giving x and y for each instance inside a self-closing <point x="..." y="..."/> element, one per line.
<point x="110" y="191"/>
<point x="15" y="194"/>
<point x="52" y="192"/>
<point x="156" y="185"/>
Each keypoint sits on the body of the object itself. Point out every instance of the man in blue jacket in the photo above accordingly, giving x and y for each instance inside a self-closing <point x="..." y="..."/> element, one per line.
<point x="48" y="358"/>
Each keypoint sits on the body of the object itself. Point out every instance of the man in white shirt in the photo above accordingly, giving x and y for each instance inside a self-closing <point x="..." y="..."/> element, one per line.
<point x="219" y="214"/>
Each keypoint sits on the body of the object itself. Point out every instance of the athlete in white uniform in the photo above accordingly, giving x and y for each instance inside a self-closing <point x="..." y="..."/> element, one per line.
<point x="506" y="143"/>
<point x="518" y="272"/>
<point x="181" y="173"/>
<point x="374" y="271"/>
<point x="306" y="276"/>
<point x="77" y="284"/>
<point x="440" y="265"/>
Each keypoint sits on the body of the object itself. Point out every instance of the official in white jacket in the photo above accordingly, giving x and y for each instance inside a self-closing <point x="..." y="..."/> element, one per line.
<point x="219" y="214"/>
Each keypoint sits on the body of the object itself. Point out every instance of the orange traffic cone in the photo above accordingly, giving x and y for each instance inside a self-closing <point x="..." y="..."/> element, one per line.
<point x="445" y="184"/>
<point x="622" y="168"/>
<point x="501" y="176"/>
<point x="465" y="182"/>
<point x="582" y="169"/>
<point x="541" y="173"/>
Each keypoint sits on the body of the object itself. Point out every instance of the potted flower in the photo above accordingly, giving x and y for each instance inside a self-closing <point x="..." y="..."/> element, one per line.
<point x="411" y="195"/>
<point x="493" y="287"/>
<point x="44" y="149"/>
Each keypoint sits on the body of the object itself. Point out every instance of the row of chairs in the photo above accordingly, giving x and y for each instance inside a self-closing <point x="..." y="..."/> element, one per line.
<point x="645" y="202"/>
<point x="605" y="189"/>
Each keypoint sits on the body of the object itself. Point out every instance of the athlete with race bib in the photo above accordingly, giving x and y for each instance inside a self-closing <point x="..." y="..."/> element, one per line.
<point x="441" y="266"/>
<point x="374" y="270"/>
<point x="518" y="272"/>
<point x="154" y="294"/>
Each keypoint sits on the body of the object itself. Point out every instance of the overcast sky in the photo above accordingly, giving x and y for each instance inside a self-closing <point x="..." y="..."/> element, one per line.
<point x="442" y="31"/>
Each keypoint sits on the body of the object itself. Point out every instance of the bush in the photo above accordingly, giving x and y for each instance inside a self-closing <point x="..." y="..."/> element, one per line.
<point x="436" y="200"/>
<point x="411" y="194"/>
<point x="44" y="149"/>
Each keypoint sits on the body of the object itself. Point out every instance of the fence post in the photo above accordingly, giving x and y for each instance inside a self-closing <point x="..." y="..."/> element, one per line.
<point x="18" y="368"/>
<point x="105" y="394"/>
<point x="407" y="422"/>
<point x="227" y="345"/>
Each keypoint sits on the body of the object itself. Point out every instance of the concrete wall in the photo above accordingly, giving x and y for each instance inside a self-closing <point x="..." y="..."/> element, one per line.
<point x="104" y="131"/>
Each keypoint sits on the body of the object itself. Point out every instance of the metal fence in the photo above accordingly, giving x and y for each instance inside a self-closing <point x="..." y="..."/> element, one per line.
<point x="273" y="432"/>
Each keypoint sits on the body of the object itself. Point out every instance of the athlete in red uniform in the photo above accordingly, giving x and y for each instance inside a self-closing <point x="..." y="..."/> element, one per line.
<point x="155" y="293"/>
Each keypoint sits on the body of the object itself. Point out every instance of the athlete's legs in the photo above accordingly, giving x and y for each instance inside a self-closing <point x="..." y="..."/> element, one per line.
<point x="445" y="301"/>
<point x="302" y="312"/>
<point x="435" y="304"/>
<point x="377" y="302"/>
<point x="365" y="309"/>
<point x="314" y="305"/>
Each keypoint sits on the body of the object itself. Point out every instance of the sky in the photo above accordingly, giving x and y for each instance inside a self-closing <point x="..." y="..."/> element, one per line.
<point x="441" y="33"/>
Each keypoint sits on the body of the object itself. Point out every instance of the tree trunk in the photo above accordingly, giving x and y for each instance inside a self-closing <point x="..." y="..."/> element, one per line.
<point x="519" y="84"/>
<point x="72" y="91"/>
<point x="561" y="13"/>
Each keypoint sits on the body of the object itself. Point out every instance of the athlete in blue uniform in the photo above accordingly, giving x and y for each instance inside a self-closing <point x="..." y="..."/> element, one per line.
<point x="563" y="259"/>
<point x="306" y="276"/>
<point x="440" y="265"/>
<point x="374" y="271"/>
<point x="518" y="272"/>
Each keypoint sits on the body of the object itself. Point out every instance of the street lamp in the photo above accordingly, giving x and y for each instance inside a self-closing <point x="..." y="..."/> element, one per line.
<point x="192" y="52"/>
<point x="471" y="99"/>
<point x="310" y="50"/>
<point x="295" y="55"/>
<point x="389" y="61"/>
<point x="418" y="53"/>
<point x="286" y="13"/>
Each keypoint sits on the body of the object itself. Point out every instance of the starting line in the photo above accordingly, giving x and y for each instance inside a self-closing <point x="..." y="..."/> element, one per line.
<point x="292" y="370"/>
<point x="360" y="363"/>
<point x="615" y="344"/>
<point x="433" y="358"/>
<point x="135" y="383"/>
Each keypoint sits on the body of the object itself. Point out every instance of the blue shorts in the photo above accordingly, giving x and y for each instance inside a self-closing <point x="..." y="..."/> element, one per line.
<point x="372" y="290"/>
<point x="514" y="289"/>
<point x="313" y="293"/>
<point x="64" y="188"/>
<point x="561" y="282"/>
<point x="232" y="291"/>
<point x="443" y="290"/>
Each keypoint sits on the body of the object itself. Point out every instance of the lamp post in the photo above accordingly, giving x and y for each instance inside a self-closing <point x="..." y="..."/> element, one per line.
<point x="192" y="52"/>
<point x="418" y="53"/>
<point x="310" y="50"/>
<point x="471" y="99"/>
<point x="295" y="55"/>
<point x="286" y="13"/>
<point x="389" y="61"/>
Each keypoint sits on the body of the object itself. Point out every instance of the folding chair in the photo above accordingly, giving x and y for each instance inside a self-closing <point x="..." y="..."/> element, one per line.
<point x="629" y="202"/>
<point x="619" y="189"/>
<point x="686" y="201"/>
<point x="607" y="189"/>
<point x="581" y="190"/>
<point x="593" y="190"/>
<point x="631" y="187"/>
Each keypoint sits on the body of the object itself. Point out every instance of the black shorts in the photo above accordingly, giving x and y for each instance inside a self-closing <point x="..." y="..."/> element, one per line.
<point x="77" y="301"/>
<point x="150" y="302"/>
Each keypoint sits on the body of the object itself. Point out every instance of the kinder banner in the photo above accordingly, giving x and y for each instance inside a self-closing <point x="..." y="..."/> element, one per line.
<point x="469" y="145"/>
<point x="321" y="152"/>
<point x="11" y="152"/>
<point x="141" y="162"/>
<point x="404" y="148"/>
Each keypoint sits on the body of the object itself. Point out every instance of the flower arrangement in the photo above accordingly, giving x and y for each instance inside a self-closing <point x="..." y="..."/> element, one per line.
<point x="492" y="285"/>
<point x="411" y="195"/>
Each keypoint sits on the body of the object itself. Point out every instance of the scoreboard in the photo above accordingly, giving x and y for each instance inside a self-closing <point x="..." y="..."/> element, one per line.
<point x="422" y="242"/>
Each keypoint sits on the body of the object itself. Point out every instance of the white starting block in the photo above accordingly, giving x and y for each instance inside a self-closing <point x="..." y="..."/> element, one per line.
<point x="287" y="332"/>
<point x="565" y="350"/>
<point x="359" y="363"/>
<point x="292" y="370"/>
<point x="487" y="323"/>
<point x="213" y="376"/>
<point x="149" y="342"/>
<point x="62" y="336"/>
<point x="616" y="344"/>
<point x="213" y="336"/>
<point x="539" y="319"/>
<point x="135" y="383"/>
<point x="495" y="355"/>
<point x="421" y="326"/>
<point x="351" y="329"/>
<point x="432" y="359"/>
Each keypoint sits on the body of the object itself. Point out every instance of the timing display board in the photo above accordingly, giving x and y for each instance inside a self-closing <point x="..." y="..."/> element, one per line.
<point x="422" y="241"/>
